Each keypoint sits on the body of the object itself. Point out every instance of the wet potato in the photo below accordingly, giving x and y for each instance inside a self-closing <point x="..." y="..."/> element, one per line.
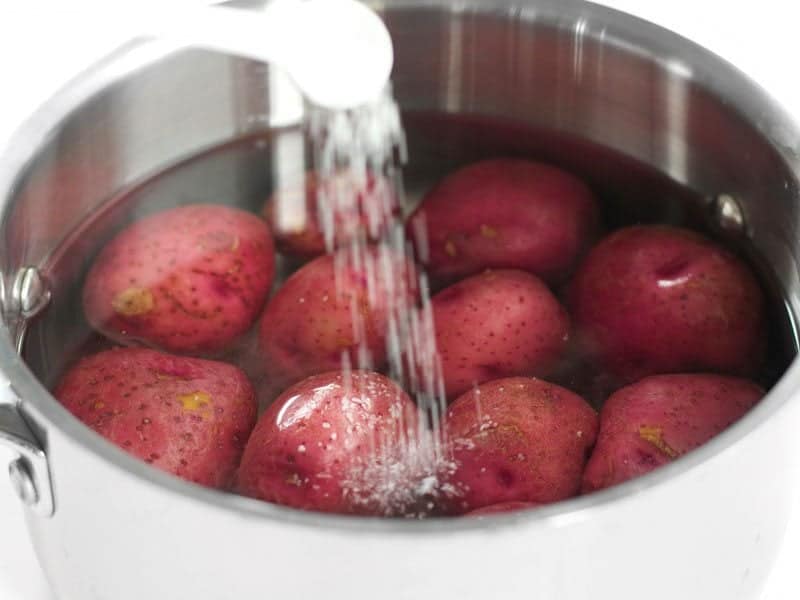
<point x="186" y="416"/>
<point x="518" y="439"/>
<point x="328" y="444"/>
<point x="325" y="313"/>
<point x="187" y="280"/>
<point x="342" y="437"/>
<point x="659" y="299"/>
<point x="364" y="209"/>
<point x="505" y="214"/>
<point x="659" y="419"/>
<point x="497" y="324"/>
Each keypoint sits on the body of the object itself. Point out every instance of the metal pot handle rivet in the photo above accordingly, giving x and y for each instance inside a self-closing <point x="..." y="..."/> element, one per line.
<point x="728" y="214"/>
<point x="30" y="474"/>
<point x="22" y="481"/>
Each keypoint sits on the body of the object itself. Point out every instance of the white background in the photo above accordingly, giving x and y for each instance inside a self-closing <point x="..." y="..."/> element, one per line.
<point x="43" y="42"/>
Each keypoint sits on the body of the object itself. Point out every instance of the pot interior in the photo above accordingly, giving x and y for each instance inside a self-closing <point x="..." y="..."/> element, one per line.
<point x="659" y="129"/>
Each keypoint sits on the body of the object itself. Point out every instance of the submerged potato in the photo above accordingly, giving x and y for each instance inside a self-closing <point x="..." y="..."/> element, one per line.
<point x="497" y="324"/>
<point x="661" y="418"/>
<point x="505" y="214"/>
<point x="518" y="440"/>
<point x="189" y="280"/>
<point x="332" y="310"/>
<point x="658" y="299"/>
<point x="186" y="416"/>
<point x="358" y="210"/>
<point x="333" y="443"/>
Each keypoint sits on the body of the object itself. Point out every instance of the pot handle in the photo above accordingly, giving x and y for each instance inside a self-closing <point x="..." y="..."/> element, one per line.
<point x="29" y="472"/>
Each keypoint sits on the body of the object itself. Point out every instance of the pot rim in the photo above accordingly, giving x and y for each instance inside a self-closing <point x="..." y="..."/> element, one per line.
<point x="614" y="27"/>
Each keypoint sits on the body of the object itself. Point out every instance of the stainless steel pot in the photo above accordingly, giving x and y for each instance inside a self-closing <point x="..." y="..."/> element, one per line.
<point x="106" y="526"/>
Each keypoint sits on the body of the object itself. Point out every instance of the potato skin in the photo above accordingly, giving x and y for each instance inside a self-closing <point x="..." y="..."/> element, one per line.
<point x="518" y="439"/>
<point x="188" y="280"/>
<point x="186" y="416"/>
<point x="660" y="418"/>
<point x="497" y="324"/>
<point x="308" y="325"/>
<point x="657" y="299"/>
<point x="505" y="214"/>
<point x="365" y="208"/>
<point x="313" y="447"/>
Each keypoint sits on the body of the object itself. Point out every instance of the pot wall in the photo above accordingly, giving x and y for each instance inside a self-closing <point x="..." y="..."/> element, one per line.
<point x="711" y="532"/>
<point x="706" y="527"/>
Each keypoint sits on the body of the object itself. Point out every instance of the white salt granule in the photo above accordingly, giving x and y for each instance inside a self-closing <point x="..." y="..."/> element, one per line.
<point x="358" y="156"/>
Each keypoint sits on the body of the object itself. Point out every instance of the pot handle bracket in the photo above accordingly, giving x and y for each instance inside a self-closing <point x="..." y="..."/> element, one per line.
<point x="29" y="472"/>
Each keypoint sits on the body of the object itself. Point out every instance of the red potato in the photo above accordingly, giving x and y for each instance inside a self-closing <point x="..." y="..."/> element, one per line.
<point x="311" y="325"/>
<point x="657" y="299"/>
<point x="186" y="416"/>
<point x="358" y="208"/>
<point x="497" y="324"/>
<point x="333" y="443"/>
<point x="505" y="214"/>
<point x="188" y="280"/>
<point x="503" y="507"/>
<point x="661" y="418"/>
<point x="518" y="440"/>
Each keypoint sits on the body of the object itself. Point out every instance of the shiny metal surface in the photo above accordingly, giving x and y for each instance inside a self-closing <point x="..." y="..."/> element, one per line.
<point x="22" y="482"/>
<point x="29" y="472"/>
<point x="28" y="297"/>
<point x="562" y="66"/>
<point x="337" y="52"/>
<point x="729" y="215"/>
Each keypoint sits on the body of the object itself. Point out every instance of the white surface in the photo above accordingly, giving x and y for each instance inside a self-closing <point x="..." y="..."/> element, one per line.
<point x="43" y="43"/>
<point x="352" y="69"/>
